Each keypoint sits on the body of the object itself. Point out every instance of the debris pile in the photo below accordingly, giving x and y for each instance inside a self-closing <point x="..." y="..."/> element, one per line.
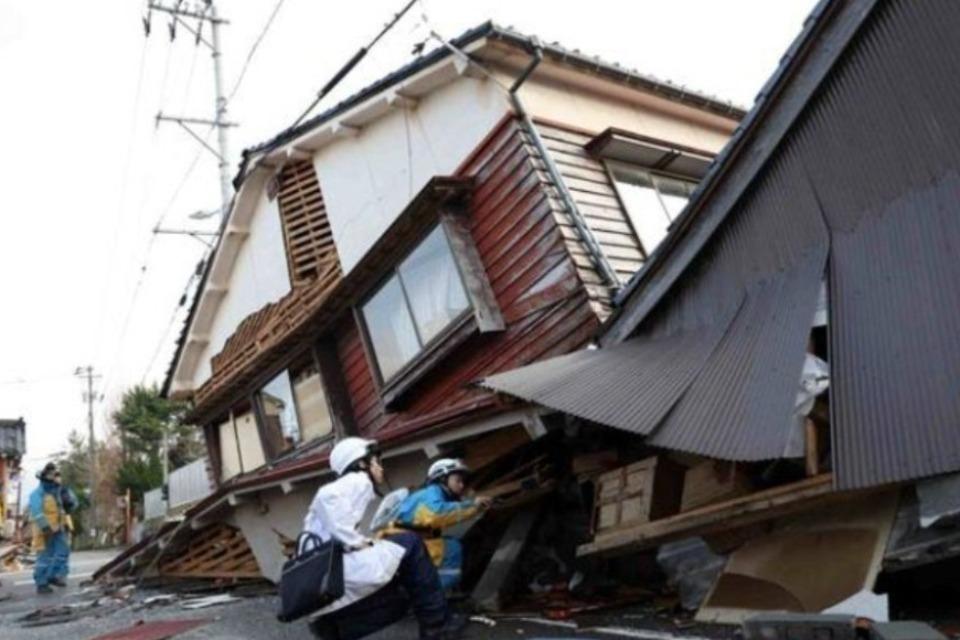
<point x="14" y="556"/>
<point x="99" y="601"/>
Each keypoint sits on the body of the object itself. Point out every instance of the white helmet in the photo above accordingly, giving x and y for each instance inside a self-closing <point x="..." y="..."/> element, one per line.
<point x="348" y="451"/>
<point x="444" y="467"/>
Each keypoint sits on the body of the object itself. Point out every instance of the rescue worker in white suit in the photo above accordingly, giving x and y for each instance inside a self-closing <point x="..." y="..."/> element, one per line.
<point x="383" y="578"/>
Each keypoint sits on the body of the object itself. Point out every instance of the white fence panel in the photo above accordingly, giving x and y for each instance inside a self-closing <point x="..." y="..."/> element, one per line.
<point x="189" y="483"/>
<point x="153" y="505"/>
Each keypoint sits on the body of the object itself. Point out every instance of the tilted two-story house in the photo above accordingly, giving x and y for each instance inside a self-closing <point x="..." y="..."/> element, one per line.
<point x="472" y="212"/>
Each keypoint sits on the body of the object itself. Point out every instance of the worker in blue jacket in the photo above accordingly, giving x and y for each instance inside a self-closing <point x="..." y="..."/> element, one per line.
<point x="437" y="506"/>
<point x="49" y="507"/>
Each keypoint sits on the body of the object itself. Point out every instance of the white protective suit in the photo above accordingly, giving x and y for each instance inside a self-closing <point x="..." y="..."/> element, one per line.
<point x="336" y="511"/>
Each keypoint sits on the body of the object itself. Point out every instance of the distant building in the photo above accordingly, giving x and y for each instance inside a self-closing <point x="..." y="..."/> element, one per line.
<point x="12" y="447"/>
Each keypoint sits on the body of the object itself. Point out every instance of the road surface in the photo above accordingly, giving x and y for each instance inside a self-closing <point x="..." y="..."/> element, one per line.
<point x="254" y="618"/>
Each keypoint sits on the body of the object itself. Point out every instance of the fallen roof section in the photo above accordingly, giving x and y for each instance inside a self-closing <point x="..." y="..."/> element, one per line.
<point x="804" y="66"/>
<point x="851" y="158"/>
<point x="630" y="386"/>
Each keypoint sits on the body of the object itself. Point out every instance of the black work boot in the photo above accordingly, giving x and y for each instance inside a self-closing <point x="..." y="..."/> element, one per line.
<point x="451" y="629"/>
<point x="58" y="582"/>
<point x="324" y="629"/>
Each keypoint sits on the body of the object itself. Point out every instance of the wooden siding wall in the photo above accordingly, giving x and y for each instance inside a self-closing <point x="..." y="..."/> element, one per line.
<point x="544" y="303"/>
<point x="306" y="229"/>
<point x="597" y="200"/>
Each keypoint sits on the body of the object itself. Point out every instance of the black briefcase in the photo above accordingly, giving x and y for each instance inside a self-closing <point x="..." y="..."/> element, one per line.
<point x="312" y="579"/>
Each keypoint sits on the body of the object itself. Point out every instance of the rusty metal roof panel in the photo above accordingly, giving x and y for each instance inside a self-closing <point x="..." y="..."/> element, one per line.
<point x="630" y="386"/>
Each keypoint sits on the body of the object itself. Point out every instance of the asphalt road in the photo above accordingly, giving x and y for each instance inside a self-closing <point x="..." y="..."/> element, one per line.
<point x="253" y="618"/>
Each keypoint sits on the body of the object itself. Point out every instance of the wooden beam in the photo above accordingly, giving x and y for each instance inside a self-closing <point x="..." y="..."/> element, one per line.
<point x="812" y="449"/>
<point x="235" y="500"/>
<point x="745" y="510"/>
<point x="486" y="595"/>
<point x="341" y="130"/>
<point x="484" y="302"/>
<point x="299" y="154"/>
<point x="397" y="100"/>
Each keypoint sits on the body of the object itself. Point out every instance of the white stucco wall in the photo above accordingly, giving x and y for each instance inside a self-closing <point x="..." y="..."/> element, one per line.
<point x="273" y="511"/>
<point x="260" y="276"/>
<point x="368" y="179"/>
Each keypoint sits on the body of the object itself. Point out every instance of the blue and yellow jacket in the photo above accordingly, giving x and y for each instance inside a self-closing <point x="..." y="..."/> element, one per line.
<point x="430" y="510"/>
<point x="47" y="511"/>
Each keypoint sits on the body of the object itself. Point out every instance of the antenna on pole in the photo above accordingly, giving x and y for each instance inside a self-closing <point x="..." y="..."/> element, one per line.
<point x="185" y="15"/>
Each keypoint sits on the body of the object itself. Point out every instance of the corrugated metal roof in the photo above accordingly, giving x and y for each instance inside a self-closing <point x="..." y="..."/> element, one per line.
<point x="630" y="386"/>
<point x="882" y="146"/>
<point x="871" y="156"/>
<point x="740" y="407"/>
<point x="806" y="63"/>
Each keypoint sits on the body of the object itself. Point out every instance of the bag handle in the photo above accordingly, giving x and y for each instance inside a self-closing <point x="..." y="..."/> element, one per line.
<point x="307" y="541"/>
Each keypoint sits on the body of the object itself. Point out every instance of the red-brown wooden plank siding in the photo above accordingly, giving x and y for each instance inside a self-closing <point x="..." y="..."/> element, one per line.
<point x="513" y="221"/>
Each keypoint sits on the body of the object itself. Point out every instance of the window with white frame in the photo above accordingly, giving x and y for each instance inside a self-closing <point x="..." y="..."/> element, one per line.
<point x="421" y="298"/>
<point x="652" y="200"/>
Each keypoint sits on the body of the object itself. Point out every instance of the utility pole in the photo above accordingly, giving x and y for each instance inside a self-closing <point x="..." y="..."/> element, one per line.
<point x="203" y="12"/>
<point x="89" y="397"/>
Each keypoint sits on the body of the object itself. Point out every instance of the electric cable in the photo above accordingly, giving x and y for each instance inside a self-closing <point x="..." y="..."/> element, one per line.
<point x="124" y="182"/>
<point x="351" y="63"/>
<point x="254" y="47"/>
<point x="181" y="302"/>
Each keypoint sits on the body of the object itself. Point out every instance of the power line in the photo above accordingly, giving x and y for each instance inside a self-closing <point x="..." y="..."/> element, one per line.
<point x="124" y="180"/>
<point x="181" y="302"/>
<point x="253" y="49"/>
<point x="35" y="379"/>
<point x="352" y="62"/>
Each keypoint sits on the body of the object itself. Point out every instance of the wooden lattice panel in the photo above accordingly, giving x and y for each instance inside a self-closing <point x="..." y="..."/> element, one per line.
<point x="219" y="551"/>
<point x="248" y="350"/>
<point x="306" y="228"/>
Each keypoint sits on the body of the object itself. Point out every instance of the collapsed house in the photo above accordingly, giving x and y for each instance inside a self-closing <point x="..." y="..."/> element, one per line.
<point x="473" y="212"/>
<point x="790" y="354"/>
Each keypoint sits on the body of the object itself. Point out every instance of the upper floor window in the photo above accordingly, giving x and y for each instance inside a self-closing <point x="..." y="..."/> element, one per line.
<point x="423" y="296"/>
<point x="281" y="423"/>
<point x="652" y="200"/>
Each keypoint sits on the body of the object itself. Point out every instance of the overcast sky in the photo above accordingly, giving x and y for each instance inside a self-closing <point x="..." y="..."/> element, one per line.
<point x="86" y="175"/>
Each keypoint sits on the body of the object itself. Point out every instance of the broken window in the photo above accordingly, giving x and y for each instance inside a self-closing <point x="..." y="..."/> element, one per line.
<point x="652" y="200"/>
<point x="420" y="299"/>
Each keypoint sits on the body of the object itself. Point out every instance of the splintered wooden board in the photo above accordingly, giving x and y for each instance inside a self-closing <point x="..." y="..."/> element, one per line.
<point x="219" y="551"/>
